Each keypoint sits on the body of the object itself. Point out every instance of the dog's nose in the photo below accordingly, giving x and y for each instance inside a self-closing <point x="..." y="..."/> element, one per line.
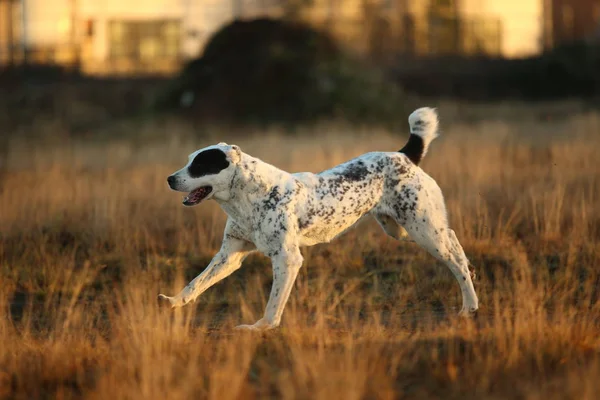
<point x="171" y="180"/>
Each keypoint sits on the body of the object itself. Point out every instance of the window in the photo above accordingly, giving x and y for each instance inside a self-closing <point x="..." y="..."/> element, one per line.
<point x="443" y="7"/>
<point x="89" y="28"/>
<point x="144" y="40"/>
<point x="568" y="18"/>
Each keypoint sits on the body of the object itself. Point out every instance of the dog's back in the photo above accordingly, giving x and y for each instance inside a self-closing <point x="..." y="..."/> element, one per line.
<point x="332" y="201"/>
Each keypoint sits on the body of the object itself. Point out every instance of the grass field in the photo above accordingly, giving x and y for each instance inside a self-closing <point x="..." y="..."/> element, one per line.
<point x="90" y="234"/>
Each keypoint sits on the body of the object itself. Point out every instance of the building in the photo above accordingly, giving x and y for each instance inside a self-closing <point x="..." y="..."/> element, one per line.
<point x="567" y="20"/>
<point x="155" y="36"/>
<point x="10" y="41"/>
<point x="117" y="36"/>
<point x="504" y="28"/>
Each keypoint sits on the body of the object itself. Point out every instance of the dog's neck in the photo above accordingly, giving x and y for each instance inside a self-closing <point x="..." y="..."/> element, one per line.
<point x="253" y="181"/>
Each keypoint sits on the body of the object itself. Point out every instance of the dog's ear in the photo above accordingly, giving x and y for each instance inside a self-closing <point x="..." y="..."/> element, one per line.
<point x="235" y="153"/>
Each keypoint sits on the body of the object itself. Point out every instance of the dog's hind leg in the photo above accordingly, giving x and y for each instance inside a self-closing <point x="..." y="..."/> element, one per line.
<point x="441" y="242"/>
<point x="224" y="263"/>
<point x="458" y="258"/>
<point x="391" y="227"/>
<point x="426" y="223"/>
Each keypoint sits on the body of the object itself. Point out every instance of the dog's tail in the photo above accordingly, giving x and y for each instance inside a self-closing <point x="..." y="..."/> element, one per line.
<point x="423" y="129"/>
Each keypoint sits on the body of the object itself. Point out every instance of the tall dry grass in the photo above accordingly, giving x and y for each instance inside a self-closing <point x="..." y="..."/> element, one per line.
<point x="90" y="234"/>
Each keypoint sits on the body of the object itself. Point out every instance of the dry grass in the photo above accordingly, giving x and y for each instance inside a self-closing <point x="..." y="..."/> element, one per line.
<point x="90" y="234"/>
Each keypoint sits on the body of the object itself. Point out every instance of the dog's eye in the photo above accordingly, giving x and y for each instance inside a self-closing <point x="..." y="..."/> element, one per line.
<point x="208" y="162"/>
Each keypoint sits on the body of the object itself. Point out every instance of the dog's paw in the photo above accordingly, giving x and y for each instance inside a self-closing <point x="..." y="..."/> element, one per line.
<point x="246" y="328"/>
<point x="166" y="301"/>
<point x="467" y="312"/>
<point x="259" y="326"/>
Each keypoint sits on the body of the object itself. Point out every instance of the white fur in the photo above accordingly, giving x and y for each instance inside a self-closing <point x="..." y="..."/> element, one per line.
<point x="424" y="123"/>
<point x="276" y="213"/>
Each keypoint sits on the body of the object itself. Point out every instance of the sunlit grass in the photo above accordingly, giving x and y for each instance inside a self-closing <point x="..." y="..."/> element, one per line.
<point x="90" y="234"/>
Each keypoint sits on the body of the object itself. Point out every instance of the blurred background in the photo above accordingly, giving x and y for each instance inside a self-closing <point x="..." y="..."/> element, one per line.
<point x="265" y="61"/>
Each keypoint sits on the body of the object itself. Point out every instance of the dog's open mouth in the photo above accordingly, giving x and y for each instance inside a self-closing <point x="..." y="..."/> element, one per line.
<point x="197" y="195"/>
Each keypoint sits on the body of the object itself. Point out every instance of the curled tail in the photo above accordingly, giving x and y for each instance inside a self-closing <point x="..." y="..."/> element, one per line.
<point x="423" y="129"/>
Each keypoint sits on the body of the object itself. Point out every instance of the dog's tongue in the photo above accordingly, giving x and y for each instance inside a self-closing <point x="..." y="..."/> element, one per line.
<point x="196" y="196"/>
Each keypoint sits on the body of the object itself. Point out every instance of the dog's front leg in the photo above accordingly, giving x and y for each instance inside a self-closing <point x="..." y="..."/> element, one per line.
<point x="286" y="264"/>
<point x="225" y="262"/>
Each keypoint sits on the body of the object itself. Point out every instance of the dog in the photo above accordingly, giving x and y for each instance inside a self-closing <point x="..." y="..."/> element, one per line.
<point x="277" y="213"/>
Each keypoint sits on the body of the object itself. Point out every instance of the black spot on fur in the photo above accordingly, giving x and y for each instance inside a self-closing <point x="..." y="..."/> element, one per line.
<point x="355" y="172"/>
<point x="274" y="198"/>
<point x="414" y="148"/>
<point x="208" y="162"/>
<point x="304" y="223"/>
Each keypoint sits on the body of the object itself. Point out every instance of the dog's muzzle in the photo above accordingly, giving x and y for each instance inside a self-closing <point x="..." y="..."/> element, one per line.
<point x="195" y="196"/>
<point x="172" y="181"/>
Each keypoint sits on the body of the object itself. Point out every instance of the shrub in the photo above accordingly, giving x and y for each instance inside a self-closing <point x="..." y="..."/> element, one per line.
<point x="268" y="70"/>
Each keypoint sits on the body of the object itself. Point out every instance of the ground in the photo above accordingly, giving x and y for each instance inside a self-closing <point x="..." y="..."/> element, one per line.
<point x="90" y="234"/>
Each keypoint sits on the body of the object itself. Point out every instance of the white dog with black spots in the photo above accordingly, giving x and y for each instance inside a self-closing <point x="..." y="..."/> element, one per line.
<point x="276" y="213"/>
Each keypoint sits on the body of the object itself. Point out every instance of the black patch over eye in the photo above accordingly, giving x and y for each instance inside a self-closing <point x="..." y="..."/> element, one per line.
<point x="208" y="162"/>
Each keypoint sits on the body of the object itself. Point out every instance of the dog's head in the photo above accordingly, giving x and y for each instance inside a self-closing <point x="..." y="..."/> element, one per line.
<point x="209" y="172"/>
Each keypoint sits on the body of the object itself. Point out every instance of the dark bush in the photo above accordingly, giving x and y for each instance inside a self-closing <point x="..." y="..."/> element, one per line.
<point x="278" y="71"/>
<point x="36" y="73"/>
<point x="571" y="70"/>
